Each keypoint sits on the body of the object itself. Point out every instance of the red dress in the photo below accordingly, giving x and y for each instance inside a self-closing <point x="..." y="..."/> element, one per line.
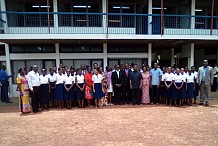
<point x="145" y="88"/>
<point x="88" y="90"/>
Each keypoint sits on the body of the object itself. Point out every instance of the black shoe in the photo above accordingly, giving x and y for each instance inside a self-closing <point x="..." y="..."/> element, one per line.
<point x="133" y="104"/>
<point x="207" y="104"/>
<point x="201" y="104"/>
<point x="138" y="103"/>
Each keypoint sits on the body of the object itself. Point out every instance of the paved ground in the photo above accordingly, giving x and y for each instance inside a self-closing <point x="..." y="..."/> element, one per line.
<point x="115" y="125"/>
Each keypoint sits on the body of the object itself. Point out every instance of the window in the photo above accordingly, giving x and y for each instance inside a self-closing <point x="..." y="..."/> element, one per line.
<point x="32" y="49"/>
<point x="81" y="48"/>
<point x="2" y="50"/>
<point x="112" y="48"/>
<point x="78" y="62"/>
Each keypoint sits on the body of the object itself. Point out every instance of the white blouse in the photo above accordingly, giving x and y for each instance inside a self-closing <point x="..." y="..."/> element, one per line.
<point x="52" y="78"/>
<point x="190" y="78"/>
<point x="43" y="79"/>
<point x="80" y="79"/>
<point x="60" y="79"/>
<point x="168" y="77"/>
<point x="97" y="78"/>
<point x="178" y="78"/>
<point x="69" y="79"/>
<point x="196" y="74"/>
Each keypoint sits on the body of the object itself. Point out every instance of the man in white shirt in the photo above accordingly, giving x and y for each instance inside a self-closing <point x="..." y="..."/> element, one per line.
<point x="34" y="85"/>
<point x="215" y="74"/>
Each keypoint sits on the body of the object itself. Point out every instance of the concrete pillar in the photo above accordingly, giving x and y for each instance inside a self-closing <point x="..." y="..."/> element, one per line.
<point x="4" y="15"/>
<point x="104" y="10"/>
<point x="149" y="54"/>
<point x="192" y="54"/>
<point x="57" y="46"/>
<point x="105" y="54"/>
<point x="172" y="56"/>
<point x="8" y="69"/>
<point x="150" y="17"/>
<point x="55" y="9"/>
<point x="192" y="18"/>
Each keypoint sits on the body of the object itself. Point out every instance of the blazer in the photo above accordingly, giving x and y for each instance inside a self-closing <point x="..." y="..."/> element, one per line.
<point x="208" y="76"/>
<point x="115" y="79"/>
<point x="126" y="78"/>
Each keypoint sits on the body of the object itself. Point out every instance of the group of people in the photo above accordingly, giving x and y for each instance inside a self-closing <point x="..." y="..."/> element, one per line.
<point x="124" y="84"/>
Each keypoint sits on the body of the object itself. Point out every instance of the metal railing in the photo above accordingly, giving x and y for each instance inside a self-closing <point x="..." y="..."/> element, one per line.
<point x="96" y="23"/>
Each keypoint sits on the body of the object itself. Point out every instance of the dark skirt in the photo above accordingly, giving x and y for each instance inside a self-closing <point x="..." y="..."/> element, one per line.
<point x="190" y="90"/>
<point x="68" y="95"/>
<point x="44" y="89"/>
<point x="177" y="94"/>
<point x="59" y="92"/>
<point x="52" y="93"/>
<point x="80" y="94"/>
<point x="169" y="92"/>
<point x="183" y="91"/>
<point x="162" y="89"/>
<point x="98" y="91"/>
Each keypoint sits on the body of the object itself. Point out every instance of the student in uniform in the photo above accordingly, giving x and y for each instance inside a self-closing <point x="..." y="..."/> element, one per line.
<point x="52" y="78"/>
<point x="178" y="84"/>
<point x="190" y="81"/>
<point x="73" y="73"/>
<point x="59" y="92"/>
<point x="68" y="84"/>
<point x="184" y="77"/>
<point x="45" y="89"/>
<point x="80" y="90"/>
<point x="196" y="85"/>
<point x="168" y="81"/>
<point x="162" y="86"/>
<point x="97" y="87"/>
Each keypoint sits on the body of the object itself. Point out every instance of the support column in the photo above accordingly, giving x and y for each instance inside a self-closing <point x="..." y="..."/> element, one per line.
<point x="55" y="9"/>
<point x="4" y="16"/>
<point x="57" y="46"/>
<point x="192" y="18"/>
<point x="172" y="56"/>
<point x="192" y="54"/>
<point x="104" y="18"/>
<point x="149" y="54"/>
<point x="149" y="17"/>
<point x="8" y="68"/>
<point x="105" y="54"/>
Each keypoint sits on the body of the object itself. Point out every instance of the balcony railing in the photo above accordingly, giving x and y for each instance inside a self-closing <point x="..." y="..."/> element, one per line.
<point x="101" y="23"/>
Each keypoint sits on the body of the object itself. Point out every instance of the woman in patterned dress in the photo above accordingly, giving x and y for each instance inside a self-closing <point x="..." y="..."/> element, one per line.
<point x="145" y="86"/>
<point x="88" y="88"/>
<point x="23" y="89"/>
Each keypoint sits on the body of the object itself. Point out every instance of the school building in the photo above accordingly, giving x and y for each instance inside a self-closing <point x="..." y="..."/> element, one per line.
<point x="107" y="32"/>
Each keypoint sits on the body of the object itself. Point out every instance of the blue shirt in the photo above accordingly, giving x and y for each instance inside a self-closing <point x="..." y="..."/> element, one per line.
<point x="4" y="76"/>
<point x="155" y="75"/>
<point x="204" y="73"/>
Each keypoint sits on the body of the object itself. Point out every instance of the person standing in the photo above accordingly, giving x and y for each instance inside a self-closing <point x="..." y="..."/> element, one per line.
<point x="155" y="74"/>
<point x="52" y="78"/>
<point x="45" y="89"/>
<point x="177" y="90"/>
<point x="88" y="88"/>
<point x="34" y="85"/>
<point x="145" y="85"/>
<point x="196" y="91"/>
<point x="215" y="74"/>
<point x="135" y="85"/>
<point x="59" y="88"/>
<point x="162" y="90"/>
<point x="108" y="74"/>
<point x="80" y="90"/>
<point x="205" y="81"/>
<point x="68" y="84"/>
<point x="190" y="81"/>
<point x="126" y="94"/>
<point x="183" y="89"/>
<point x="23" y="89"/>
<point x="168" y="81"/>
<point x="117" y="81"/>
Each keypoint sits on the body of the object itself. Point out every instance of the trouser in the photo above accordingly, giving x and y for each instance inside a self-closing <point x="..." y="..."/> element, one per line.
<point x="4" y="91"/>
<point x="117" y="94"/>
<point x="155" y="94"/>
<point x="126" y="95"/>
<point x="204" y="92"/>
<point x="135" y="96"/>
<point x="35" y="99"/>
<point x="214" y="87"/>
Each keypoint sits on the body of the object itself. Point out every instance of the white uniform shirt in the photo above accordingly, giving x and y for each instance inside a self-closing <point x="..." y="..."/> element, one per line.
<point x="52" y="78"/>
<point x="196" y="74"/>
<point x="215" y="70"/>
<point x="190" y="78"/>
<point x="168" y="76"/>
<point x="43" y="79"/>
<point x="184" y="76"/>
<point x="97" y="78"/>
<point x="178" y="78"/>
<point x="33" y="79"/>
<point x="69" y="79"/>
<point x="60" y="79"/>
<point x="80" y="79"/>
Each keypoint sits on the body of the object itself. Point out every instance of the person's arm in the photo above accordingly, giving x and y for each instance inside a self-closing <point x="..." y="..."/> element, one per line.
<point x="198" y="77"/>
<point x="211" y="77"/>
<point x="181" y="85"/>
<point x="130" y="81"/>
<point x="140" y="81"/>
<point x="4" y="74"/>
<point x="30" y="82"/>
<point x="19" y="86"/>
<point x="83" y="86"/>
<point x="71" y="85"/>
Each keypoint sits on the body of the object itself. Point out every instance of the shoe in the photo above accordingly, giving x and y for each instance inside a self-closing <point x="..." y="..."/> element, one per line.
<point x="133" y="104"/>
<point x="201" y="104"/>
<point x="157" y="104"/>
<point x="138" y="103"/>
<point x="152" y="103"/>
<point x="207" y="104"/>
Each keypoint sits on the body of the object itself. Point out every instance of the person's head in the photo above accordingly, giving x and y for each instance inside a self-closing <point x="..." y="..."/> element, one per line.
<point x="72" y="69"/>
<point x="68" y="72"/>
<point x="186" y="69"/>
<point x="193" y="69"/>
<point x="83" y="67"/>
<point x="95" y="65"/>
<point x="127" y="66"/>
<point x="155" y="65"/>
<point x="205" y="63"/>
<point x="60" y="70"/>
<point x="147" y="68"/>
<point x="138" y="67"/>
<point x="61" y="65"/>
<point x="89" y="69"/>
<point x="182" y="71"/>
<point x="177" y="71"/>
<point x="22" y="71"/>
<point x="63" y="69"/>
<point x="172" y="69"/>
<point x="19" y="70"/>
<point x="108" y="69"/>
<point x="122" y="67"/>
<point x="79" y="71"/>
<point x="96" y="71"/>
<point x="117" y="67"/>
<point x="55" y="69"/>
<point x="100" y="69"/>
<point x="135" y="68"/>
<point x="164" y="69"/>
<point x="51" y="70"/>
<point x="189" y="71"/>
<point x="43" y="71"/>
<point x="169" y="70"/>
<point x="31" y="68"/>
<point x="35" y="68"/>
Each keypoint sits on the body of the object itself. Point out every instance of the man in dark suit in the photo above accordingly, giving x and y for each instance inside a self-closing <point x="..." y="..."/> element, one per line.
<point x="126" y="97"/>
<point x="117" y="81"/>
